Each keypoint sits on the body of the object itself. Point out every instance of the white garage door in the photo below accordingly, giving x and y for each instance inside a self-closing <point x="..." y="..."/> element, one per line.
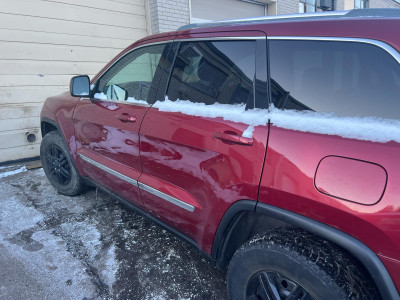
<point x="43" y="43"/>
<point x="216" y="10"/>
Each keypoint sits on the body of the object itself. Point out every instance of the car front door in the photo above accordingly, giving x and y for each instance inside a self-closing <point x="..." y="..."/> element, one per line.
<point x="107" y="125"/>
<point x="198" y="159"/>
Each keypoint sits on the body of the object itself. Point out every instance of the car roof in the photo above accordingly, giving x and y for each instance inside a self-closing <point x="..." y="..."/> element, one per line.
<point x="380" y="13"/>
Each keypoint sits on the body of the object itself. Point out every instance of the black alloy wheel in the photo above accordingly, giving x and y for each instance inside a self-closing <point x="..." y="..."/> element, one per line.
<point x="266" y="285"/>
<point x="59" y="167"/>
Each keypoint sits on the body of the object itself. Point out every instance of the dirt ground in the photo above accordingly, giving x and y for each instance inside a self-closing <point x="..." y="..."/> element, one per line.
<point x="90" y="247"/>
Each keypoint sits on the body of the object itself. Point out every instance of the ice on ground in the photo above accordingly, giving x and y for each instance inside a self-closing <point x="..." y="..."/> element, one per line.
<point x="361" y="128"/>
<point x="16" y="217"/>
<point x="108" y="266"/>
<point x="85" y="232"/>
<point x="13" y="172"/>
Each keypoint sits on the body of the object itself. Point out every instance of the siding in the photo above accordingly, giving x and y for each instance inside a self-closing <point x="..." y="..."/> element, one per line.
<point x="225" y="9"/>
<point x="43" y="43"/>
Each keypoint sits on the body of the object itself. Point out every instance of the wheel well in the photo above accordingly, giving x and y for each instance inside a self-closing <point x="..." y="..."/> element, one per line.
<point x="47" y="127"/>
<point x="244" y="225"/>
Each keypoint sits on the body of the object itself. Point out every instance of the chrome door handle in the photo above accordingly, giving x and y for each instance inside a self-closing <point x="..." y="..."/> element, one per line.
<point x="124" y="117"/>
<point x="233" y="138"/>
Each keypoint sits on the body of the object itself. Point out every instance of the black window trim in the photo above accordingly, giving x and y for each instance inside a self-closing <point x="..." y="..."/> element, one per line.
<point x="171" y="41"/>
<point x="261" y="42"/>
<point x="386" y="47"/>
<point x="382" y="45"/>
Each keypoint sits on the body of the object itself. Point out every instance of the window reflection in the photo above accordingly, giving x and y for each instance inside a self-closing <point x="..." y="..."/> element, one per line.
<point x="210" y="72"/>
<point x="346" y="78"/>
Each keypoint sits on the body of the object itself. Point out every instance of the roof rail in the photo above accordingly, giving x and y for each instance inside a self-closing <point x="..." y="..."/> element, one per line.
<point x="355" y="13"/>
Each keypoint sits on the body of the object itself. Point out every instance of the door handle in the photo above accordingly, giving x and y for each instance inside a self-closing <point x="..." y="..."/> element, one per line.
<point x="124" y="117"/>
<point x="233" y="138"/>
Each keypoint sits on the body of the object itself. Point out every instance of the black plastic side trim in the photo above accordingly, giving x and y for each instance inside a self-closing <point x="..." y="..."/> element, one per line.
<point x="150" y="217"/>
<point x="358" y="249"/>
<point x="234" y="211"/>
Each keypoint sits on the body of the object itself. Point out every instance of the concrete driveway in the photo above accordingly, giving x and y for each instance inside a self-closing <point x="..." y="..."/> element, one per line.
<point x="91" y="247"/>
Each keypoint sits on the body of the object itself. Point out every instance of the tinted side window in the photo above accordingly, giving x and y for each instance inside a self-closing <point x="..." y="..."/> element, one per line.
<point x="132" y="76"/>
<point x="346" y="78"/>
<point x="210" y="72"/>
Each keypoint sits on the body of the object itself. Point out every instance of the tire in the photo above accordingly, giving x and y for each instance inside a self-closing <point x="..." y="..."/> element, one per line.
<point x="58" y="165"/>
<point x="290" y="261"/>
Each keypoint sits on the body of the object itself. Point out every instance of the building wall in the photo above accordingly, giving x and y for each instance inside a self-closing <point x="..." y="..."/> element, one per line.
<point x="384" y="4"/>
<point x="43" y="44"/>
<point x="168" y="15"/>
<point x="232" y="9"/>
<point x="285" y="7"/>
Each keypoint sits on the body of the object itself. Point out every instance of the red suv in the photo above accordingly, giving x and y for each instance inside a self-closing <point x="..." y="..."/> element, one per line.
<point x="270" y="144"/>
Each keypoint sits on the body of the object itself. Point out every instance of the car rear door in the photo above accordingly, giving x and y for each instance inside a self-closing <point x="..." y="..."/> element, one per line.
<point x="107" y="125"/>
<point x="197" y="157"/>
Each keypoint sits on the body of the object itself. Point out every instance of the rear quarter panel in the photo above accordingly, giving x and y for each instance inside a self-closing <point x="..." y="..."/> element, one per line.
<point x="288" y="182"/>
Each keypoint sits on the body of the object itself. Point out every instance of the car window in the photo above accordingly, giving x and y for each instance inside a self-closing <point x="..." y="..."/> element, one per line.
<point x="131" y="78"/>
<point x="214" y="72"/>
<point x="345" y="78"/>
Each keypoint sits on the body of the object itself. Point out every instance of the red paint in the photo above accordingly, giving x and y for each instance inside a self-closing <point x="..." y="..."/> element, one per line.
<point x="178" y="155"/>
<point x="180" y="151"/>
<point x="351" y="179"/>
<point x="101" y="135"/>
<point x="288" y="182"/>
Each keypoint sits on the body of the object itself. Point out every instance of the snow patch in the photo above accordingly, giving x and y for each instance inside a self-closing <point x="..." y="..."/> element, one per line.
<point x="248" y="133"/>
<point x="13" y="172"/>
<point x="361" y="128"/>
<point x="100" y="96"/>
<point x="133" y="100"/>
<point x="109" y="268"/>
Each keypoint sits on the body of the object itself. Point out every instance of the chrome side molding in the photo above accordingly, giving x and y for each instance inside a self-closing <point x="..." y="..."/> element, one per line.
<point x="142" y="186"/>
<point x="110" y="171"/>
<point x="166" y="197"/>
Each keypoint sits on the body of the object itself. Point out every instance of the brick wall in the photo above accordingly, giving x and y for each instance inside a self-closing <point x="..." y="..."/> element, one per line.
<point x="339" y="4"/>
<point x="288" y="7"/>
<point x="168" y="15"/>
<point x="383" y="4"/>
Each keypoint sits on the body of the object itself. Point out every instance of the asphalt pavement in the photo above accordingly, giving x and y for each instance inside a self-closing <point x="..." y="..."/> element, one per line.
<point x="90" y="247"/>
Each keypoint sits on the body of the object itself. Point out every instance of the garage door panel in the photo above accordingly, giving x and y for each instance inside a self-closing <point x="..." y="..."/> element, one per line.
<point x="35" y="80"/>
<point x="29" y="67"/>
<point x="25" y="95"/>
<point x="43" y="44"/>
<point x="15" y="153"/>
<point x="20" y="111"/>
<point x="17" y="138"/>
<point x="26" y="36"/>
<point x="69" y="27"/>
<point x="16" y="50"/>
<point x="127" y="7"/>
<point x="67" y="12"/>
<point x="20" y="124"/>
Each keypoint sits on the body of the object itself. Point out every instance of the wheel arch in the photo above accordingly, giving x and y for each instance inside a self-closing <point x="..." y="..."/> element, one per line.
<point x="240" y="223"/>
<point x="48" y="125"/>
